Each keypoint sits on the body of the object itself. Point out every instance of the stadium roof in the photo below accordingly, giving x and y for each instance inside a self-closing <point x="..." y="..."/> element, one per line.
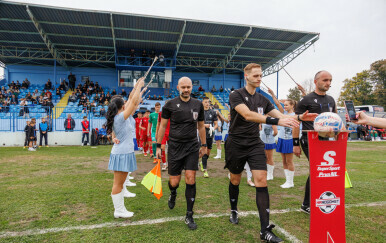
<point x="37" y="34"/>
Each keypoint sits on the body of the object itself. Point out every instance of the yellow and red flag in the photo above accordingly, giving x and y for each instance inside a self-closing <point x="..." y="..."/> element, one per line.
<point x="152" y="181"/>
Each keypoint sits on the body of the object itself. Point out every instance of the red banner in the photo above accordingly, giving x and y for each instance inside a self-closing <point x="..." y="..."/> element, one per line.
<point x="327" y="178"/>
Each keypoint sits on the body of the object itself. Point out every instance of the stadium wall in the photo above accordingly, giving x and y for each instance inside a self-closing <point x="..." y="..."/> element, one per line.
<point x="11" y="139"/>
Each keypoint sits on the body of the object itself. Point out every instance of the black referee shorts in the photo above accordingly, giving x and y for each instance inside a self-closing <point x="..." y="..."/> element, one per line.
<point x="182" y="156"/>
<point x="237" y="153"/>
<point x="209" y="141"/>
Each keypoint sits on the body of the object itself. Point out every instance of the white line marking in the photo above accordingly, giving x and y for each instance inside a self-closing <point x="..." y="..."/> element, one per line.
<point x="287" y="235"/>
<point x="6" y="234"/>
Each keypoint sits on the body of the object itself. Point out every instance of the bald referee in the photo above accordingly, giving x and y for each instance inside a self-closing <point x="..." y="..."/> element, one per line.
<point x="186" y="114"/>
<point x="316" y="102"/>
<point x="248" y="110"/>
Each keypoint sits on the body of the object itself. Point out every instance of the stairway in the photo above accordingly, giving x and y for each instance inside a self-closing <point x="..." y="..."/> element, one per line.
<point x="62" y="104"/>
<point x="224" y="111"/>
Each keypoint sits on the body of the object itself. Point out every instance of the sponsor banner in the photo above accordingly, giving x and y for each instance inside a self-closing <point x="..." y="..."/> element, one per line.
<point x="327" y="178"/>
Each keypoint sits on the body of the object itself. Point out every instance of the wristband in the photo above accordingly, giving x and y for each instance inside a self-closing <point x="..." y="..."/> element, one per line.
<point x="272" y="121"/>
<point x="158" y="145"/>
<point x="299" y="118"/>
<point x="203" y="145"/>
<point x="296" y="141"/>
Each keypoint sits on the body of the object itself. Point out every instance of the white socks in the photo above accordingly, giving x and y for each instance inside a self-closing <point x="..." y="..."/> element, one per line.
<point x="270" y="172"/>
<point x="289" y="176"/>
<point x="218" y="156"/>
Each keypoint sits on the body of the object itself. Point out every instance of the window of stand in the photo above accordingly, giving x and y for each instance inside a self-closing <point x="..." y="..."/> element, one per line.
<point x="127" y="77"/>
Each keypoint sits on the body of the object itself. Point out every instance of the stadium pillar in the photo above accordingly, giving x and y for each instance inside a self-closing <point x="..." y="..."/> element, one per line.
<point x="55" y="72"/>
<point x="277" y="84"/>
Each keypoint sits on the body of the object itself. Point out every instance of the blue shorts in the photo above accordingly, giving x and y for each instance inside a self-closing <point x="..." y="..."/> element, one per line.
<point x="285" y="146"/>
<point x="269" y="146"/>
<point x="217" y="138"/>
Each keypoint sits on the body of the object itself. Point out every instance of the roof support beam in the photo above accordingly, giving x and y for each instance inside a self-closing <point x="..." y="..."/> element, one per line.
<point x="57" y="44"/>
<point x="180" y="39"/>
<point x="51" y="47"/>
<point x="234" y="50"/>
<point x="112" y="32"/>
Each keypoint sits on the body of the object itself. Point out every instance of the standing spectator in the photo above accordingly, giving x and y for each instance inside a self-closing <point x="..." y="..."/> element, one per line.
<point x="85" y="130"/>
<point x="144" y="57"/>
<point x="201" y="89"/>
<point x="69" y="123"/>
<point x="47" y="86"/>
<point x="58" y="93"/>
<point x="24" y="111"/>
<point x="161" y="58"/>
<point x="213" y="89"/>
<point x="26" y="135"/>
<point x="43" y="129"/>
<point x="71" y="79"/>
<point x="14" y="100"/>
<point x="233" y="88"/>
<point x="113" y="92"/>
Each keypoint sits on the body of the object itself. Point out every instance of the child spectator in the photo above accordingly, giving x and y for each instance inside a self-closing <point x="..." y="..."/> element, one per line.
<point x="43" y="128"/>
<point x="103" y="135"/>
<point x="26" y="135"/>
<point x="85" y="130"/>
<point x="31" y="135"/>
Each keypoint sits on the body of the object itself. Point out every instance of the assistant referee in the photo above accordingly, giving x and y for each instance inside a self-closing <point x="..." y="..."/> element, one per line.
<point x="248" y="109"/>
<point x="186" y="114"/>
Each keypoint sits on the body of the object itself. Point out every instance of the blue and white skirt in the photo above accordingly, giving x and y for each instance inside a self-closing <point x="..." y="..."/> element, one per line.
<point x="269" y="146"/>
<point x="285" y="146"/>
<point x="217" y="138"/>
<point x="123" y="162"/>
<point x="135" y="144"/>
<point x="226" y="137"/>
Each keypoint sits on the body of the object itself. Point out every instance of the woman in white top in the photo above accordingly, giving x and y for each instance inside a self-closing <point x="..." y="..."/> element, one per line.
<point x="267" y="135"/>
<point x="122" y="158"/>
<point x="218" y="132"/>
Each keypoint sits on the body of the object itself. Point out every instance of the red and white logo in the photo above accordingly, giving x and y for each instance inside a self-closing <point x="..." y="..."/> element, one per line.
<point x="327" y="202"/>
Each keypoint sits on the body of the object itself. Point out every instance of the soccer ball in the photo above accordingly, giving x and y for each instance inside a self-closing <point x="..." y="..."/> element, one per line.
<point x="328" y="124"/>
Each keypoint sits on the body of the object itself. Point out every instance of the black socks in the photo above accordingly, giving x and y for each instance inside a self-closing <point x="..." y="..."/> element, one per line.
<point x="205" y="161"/>
<point x="262" y="202"/>
<point x="233" y="195"/>
<point x="173" y="190"/>
<point x="190" y="195"/>
<point x="306" y="201"/>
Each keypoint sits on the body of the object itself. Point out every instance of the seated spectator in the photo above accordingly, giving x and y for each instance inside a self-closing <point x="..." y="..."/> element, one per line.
<point x="161" y="59"/>
<point x="102" y="112"/>
<point x="48" y="94"/>
<point x="102" y="99"/>
<point x="2" y="98"/>
<point x="24" y="85"/>
<point x="28" y="82"/>
<point x="154" y="97"/>
<point x="14" y="100"/>
<point x="47" y="86"/>
<point x="36" y="93"/>
<point x="213" y="89"/>
<point x="69" y="123"/>
<point x="3" y="90"/>
<point x="102" y="135"/>
<point x="18" y="85"/>
<point x="216" y="106"/>
<point x="123" y="93"/>
<point x="11" y="85"/>
<point x="106" y="102"/>
<point x="92" y="84"/>
<point x="233" y="88"/>
<point x="108" y="97"/>
<point x="113" y="92"/>
<point x="28" y="96"/>
<point x="58" y="93"/>
<point x="62" y="86"/>
<point x="160" y="97"/>
<point x="72" y="97"/>
<point x="5" y="107"/>
<point x="40" y="99"/>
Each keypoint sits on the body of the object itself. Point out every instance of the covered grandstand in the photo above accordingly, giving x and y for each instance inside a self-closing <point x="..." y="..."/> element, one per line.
<point x="43" y="42"/>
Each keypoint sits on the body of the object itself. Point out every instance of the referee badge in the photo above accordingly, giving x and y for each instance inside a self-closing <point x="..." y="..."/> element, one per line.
<point x="260" y="110"/>
<point x="195" y="115"/>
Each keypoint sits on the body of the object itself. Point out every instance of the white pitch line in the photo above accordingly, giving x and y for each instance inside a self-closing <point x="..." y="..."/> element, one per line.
<point x="287" y="235"/>
<point x="6" y="234"/>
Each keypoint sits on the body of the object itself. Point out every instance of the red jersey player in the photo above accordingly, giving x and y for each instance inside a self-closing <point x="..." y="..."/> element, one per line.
<point x="143" y="127"/>
<point x="137" y="130"/>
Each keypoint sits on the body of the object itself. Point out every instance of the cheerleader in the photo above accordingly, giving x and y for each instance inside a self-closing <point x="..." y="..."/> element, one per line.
<point x="122" y="158"/>
<point x="267" y="134"/>
<point x="218" y="132"/>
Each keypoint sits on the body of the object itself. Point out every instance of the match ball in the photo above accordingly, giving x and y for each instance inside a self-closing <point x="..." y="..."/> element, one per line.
<point x="328" y="124"/>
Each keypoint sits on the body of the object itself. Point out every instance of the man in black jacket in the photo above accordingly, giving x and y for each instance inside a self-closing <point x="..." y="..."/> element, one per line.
<point x="69" y="123"/>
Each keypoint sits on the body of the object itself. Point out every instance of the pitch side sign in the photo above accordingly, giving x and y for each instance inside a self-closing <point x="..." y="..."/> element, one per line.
<point x="327" y="174"/>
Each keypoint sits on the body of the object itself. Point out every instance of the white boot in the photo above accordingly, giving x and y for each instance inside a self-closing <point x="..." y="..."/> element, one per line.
<point x="270" y="172"/>
<point x="290" y="180"/>
<point x="128" y="182"/>
<point x="286" y="178"/>
<point x="119" y="206"/>
<point x="126" y="193"/>
<point x="218" y="156"/>
<point x="129" y="176"/>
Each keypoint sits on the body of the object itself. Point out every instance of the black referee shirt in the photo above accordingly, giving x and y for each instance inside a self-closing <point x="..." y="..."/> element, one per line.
<point x="240" y="128"/>
<point x="210" y="118"/>
<point x="315" y="103"/>
<point x="183" y="118"/>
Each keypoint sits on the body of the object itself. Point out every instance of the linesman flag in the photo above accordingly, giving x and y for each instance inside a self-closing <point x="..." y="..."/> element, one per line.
<point x="152" y="181"/>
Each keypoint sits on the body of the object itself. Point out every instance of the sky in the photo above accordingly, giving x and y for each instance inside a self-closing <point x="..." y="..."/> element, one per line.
<point x="352" y="32"/>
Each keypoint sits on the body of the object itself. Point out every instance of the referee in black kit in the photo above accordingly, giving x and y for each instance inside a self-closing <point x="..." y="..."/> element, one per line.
<point x="248" y="109"/>
<point x="316" y="102"/>
<point x="186" y="114"/>
<point x="210" y="121"/>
